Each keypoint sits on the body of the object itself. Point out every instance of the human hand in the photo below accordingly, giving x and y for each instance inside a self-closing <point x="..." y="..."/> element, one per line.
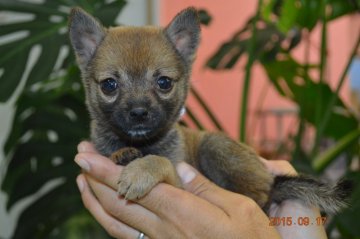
<point x="203" y="210"/>
<point x="293" y="209"/>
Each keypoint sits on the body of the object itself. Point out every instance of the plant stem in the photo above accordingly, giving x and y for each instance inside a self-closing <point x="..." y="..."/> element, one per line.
<point x="301" y="128"/>
<point x="323" y="47"/>
<point x="246" y="86"/>
<point x="319" y="101"/>
<point x="320" y="162"/>
<point x="194" y="119"/>
<point x="333" y="100"/>
<point x="209" y="113"/>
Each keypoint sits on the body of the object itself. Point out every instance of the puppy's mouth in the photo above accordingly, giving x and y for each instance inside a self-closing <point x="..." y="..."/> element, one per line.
<point x="132" y="131"/>
<point x="139" y="133"/>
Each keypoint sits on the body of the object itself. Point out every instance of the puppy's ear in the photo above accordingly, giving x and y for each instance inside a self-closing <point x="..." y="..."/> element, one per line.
<point x="86" y="35"/>
<point x="184" y="33"/>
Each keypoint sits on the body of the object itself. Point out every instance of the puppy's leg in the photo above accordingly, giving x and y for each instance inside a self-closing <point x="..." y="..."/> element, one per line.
<point x="125" y="155"/>
<point x="234" y="166"/>
<point x="142" y="174"/>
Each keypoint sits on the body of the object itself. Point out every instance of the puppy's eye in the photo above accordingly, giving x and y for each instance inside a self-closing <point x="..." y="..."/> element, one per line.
<point x="164" y="83"/>
<point x="108" y="85"/>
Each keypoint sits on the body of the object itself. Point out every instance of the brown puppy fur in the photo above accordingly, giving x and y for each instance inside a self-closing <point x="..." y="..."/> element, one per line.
<point x="136" y="81"/>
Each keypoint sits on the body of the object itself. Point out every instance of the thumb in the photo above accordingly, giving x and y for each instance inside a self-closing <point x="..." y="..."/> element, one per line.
<point x="202" y="187"/>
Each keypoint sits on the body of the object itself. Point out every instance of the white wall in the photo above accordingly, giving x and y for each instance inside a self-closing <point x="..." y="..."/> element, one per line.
<point x="135" y="13"/>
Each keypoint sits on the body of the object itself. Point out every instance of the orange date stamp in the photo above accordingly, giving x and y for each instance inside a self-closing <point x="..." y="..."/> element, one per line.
<point x="299" y="221"/>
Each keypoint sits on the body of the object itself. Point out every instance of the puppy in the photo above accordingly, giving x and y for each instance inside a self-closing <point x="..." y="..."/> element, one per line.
<point x="136" y="81"/>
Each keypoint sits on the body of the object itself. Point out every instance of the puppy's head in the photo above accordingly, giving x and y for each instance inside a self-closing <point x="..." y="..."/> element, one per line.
<point x="136" y="78"/>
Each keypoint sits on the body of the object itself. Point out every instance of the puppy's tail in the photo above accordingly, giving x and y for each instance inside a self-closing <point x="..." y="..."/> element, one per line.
<point x="330" y="199"/>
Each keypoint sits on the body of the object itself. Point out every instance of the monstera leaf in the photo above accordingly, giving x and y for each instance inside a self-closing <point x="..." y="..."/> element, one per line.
<point x="268" y="44"/>
<point x="50" y="118"/>
<point x="305" y="14"/>
<point x="44" y="25"/>
<point x="293" y="85"/>
<point x="48" y="125"/>
<point x="346" y="222"/>
<point x="277" y="34"/>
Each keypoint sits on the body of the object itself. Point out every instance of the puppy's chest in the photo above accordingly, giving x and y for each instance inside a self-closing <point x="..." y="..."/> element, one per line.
<point x="174" y="151"/>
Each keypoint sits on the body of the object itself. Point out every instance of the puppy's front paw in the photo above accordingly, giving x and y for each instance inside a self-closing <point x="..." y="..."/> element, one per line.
<point x="137" y="179"/>
<point x="125" y="155"/>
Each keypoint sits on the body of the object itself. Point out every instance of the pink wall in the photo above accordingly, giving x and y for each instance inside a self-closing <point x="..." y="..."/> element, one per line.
<point x="222" y="89"/>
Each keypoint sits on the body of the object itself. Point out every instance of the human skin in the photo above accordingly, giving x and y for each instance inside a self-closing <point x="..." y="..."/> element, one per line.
<point x="200" y="210"/>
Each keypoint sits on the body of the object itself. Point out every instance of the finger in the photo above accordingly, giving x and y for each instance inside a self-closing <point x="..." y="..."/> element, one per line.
<point x="86" y="146"/>
<point x="114" y="227"/>
<point x="164" y="200"/>
<point x="279" y="167"/>
<point x="201" y="196"/>
<point x="197" y="184"/>
<point x="129" y="213"/>
<point x="174" y="205"/>
<point x="99" y="167"/>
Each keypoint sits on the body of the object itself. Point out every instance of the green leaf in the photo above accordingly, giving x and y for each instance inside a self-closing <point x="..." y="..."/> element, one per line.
<point x="204" y="17"/>
<point x="108" y="12"/>
<point x="40" y="32"/>
<point x="41" y="217"/>
<point x="82" y="225"/>
<point x="267" y="10"/>
<point x="70" y="221"/>
<point x="292" y="85"/>
<point x="267" y="45"/>
<point x="310" y="12"/>
<point x="348" y="219"/>
<point x="13" y="71"/>
<point x="320" y="162"/>
<point x="50" y="119"/>
<point x="339" y="8"/>
<point x="46" y="61"/>
<point x="48" y="115"/>
<point x="288" y="16"/>
<point x="291" y="14"/>
<point x="46" y="29"/>
<point x="25" y="7"/>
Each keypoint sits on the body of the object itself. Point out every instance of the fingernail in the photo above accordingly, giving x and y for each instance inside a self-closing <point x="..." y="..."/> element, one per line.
<point x="186" y="173"/>
<point x="80" y="184"/>
<point x="83" y="164"/>
<point x="81" y="148"/>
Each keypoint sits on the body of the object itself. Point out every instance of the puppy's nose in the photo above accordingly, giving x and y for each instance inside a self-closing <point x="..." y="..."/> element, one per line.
<point x="139" y="114"/>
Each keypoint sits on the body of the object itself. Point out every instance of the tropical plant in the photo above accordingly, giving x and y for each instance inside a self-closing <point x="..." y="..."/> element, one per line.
<point x="50" y="118"/>
<point x="268" y="38"/>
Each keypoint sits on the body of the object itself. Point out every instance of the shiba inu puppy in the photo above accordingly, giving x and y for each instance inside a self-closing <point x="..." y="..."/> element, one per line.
<point x="136" y="81"/>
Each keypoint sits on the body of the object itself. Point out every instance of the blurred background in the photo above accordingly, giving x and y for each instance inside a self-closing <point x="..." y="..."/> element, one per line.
<point x="281" y="76"/>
